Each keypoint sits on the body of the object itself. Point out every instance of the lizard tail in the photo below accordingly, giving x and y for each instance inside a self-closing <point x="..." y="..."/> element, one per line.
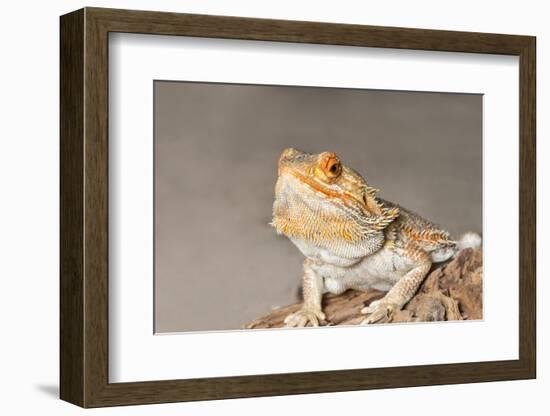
<point x="469" y="240"/>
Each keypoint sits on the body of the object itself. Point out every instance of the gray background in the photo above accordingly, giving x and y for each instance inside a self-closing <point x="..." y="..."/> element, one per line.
<point x="217" y="262"/>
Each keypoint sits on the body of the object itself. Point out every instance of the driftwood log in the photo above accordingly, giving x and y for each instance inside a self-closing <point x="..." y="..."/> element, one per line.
<point x="452" y="291"/>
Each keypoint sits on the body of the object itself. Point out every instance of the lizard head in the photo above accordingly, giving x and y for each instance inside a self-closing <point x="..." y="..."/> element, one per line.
<point x="321" y="201"/>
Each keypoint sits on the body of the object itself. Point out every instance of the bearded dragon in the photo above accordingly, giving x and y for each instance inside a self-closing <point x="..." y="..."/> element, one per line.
<point x="351" y="238"/>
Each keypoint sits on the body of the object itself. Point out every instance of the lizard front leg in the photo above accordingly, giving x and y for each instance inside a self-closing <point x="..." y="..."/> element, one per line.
<point x="312" y="289"/>
<point x="382" y="310"/>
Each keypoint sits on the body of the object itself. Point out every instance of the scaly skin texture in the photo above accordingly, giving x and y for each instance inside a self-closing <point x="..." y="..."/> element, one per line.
<point x="351" y="238"/>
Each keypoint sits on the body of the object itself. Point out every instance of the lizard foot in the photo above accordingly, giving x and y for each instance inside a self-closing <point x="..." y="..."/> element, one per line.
<point x="379" y="312"/>
<point x="303" y="317"/>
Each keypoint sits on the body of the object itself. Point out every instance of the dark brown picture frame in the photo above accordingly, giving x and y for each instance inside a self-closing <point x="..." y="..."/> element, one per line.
<point x="84" y="207"/>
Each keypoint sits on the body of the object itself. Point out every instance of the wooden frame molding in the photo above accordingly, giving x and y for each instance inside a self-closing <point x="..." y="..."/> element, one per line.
<point x="84" y="207"/>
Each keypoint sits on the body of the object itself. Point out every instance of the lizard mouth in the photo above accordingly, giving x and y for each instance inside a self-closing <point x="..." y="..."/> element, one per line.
<point x="364" y="198"/>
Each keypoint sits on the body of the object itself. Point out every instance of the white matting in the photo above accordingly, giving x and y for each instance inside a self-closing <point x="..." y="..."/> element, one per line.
<point x="136" y="354"/>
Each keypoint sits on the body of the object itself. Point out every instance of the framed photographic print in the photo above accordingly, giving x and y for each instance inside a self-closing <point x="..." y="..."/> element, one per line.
<point x="255" y="207"/>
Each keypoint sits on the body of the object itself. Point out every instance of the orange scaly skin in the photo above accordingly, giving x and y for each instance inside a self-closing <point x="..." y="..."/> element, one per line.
<point x="351" y="239"/>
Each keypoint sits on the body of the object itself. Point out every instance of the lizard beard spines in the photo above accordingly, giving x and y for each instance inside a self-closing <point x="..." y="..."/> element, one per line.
<point x="378" y="222"/>
<point x="371" y="190"/>
<point x="324" y="222"/>
<point x="387" y="217"/>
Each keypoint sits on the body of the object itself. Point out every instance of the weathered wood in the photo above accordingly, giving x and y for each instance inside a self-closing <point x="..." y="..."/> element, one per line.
<point x="451" y="292"/>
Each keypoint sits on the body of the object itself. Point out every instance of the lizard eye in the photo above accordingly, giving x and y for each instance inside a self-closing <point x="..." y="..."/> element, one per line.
<point x="334" y="168"/>
<point x="329" y="166"/>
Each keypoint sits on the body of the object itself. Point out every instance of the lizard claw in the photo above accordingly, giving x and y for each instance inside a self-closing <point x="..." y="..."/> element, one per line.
<point x="303" y="317"/>
<point x="379" y="312"/>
